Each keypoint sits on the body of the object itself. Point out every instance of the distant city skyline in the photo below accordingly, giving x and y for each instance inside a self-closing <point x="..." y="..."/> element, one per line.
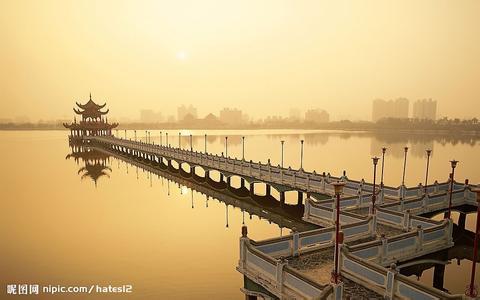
<point x="262" y="58"/>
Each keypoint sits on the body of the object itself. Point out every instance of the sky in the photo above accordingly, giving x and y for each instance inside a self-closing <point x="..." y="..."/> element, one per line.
<point x="264" y="57"/>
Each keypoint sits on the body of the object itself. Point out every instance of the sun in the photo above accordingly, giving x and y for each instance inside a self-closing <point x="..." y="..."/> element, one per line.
<point x="181" y="55"/>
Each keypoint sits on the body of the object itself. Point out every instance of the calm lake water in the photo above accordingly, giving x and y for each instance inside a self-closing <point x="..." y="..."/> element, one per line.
<point x="58" y="228"/>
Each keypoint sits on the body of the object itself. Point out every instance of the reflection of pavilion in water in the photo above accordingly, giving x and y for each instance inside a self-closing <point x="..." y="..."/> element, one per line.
<point x="95" y="163"/>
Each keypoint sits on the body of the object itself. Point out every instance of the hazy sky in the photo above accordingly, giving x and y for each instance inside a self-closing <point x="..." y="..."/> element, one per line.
<point x="264" y="57"/>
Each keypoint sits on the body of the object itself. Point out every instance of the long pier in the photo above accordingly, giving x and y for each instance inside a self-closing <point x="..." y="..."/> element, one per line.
<point x="371" y="248"/>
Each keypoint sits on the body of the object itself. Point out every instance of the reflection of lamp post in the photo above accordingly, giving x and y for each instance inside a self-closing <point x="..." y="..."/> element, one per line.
<point x="226" y="146"/>
<point x="383" y="164"/>
<point x="205" y="143"/>
<point x="429" y="152"/>
<point x="243" y="148"/>
<point x="338" y="186"/>
<point x="374" y="195"/>
<point x="404" y="165"/>
<point x="452" y="176"/>
<point x="191" y="143"/>
<point x="282" y="142"/>
<point x="472" y="289"/>
<point x="301" y="154"/>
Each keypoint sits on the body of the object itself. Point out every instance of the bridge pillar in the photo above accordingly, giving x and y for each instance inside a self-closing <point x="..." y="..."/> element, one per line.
<point x="438" y="276"/>
<point x="282" y="197"/>
<point x="207" y="174"/>
<point x="250" y="297"/>
<point x="242" y="183"/>
<point x="461" y="220"/>
<point x="300" y="198"/>
<point x="192" y="170"/>
<point x="268" y="190"/>
<point x="252" y="189"/>
<point x="229" y="181"/>
<point x="221" y="177"/>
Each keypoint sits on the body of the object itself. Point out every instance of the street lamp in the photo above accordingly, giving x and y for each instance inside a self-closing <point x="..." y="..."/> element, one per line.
<point x="383" y="164"/>
<point x="135" y="134"/>
<point x="338" y="186"/>
<point x="161" y="144"/>
<point x="404" y="165"/>
<point x="226" y="146"/>
<point x="146" y="138"/>
<point x="472" y="289"/>
<point x="301" y="154"/>
<point x="180" y="140"/>
<point x="453" y="163"/>
<point x="429" y="152"/>
<point x="125" y="134"/>
<point x="374" y="196"/>
<point x="191" y="143"/>
<point x="243" y="148"/>
<point x="282" y="142"/>
<point x="166" y="138"/>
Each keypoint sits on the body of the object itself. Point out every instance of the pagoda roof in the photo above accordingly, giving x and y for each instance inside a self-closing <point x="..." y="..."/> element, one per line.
<point x="90" y="109"/>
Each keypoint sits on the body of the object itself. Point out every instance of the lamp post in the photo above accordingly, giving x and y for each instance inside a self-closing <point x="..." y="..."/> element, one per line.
<point x="282" y="142"/>
<point x="191" y="143"/>
<point x="149" y="138"/>
<point x="338" y="186"/>
<point x="383" y="164"/>
<point x="404" y="165"/>
<point x="374" y="195"/>
<point x="243" y="148"/>
<point x="166" y="138"/>
<point x="179" y="140"/>
<point x="472" y="289"/>
<point x="125" y="134"/>
<point x="301" y="154"/>
<point x="135" y="134"/>
<point x="205" y="143"/>
<point x="161" y="144"/>
<point x="429" y="152"/>
<point x="226" y="146"/>
<point x="453" y="163"/>
<point x="146" y="137"/>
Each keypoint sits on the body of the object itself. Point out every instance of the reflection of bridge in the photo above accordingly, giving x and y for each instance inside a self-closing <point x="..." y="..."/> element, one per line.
<point x="289" y="216"/>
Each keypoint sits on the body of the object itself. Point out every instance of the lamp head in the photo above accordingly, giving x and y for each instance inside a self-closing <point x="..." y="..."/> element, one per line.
<point x="375" y="160"/>
<point x="406" y="149"/>
<point x="453" y="163"/>
<point x="338" y="186"/>
<point x="429" y="151"/>
<point x="384" y="150"/>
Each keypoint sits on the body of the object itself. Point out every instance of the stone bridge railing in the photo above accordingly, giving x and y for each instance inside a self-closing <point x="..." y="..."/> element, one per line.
<point x="287" y="177"/>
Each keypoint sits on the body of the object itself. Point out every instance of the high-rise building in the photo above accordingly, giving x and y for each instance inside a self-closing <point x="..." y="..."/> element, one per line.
<point x="183" y="111"/>
<point x="150" y="116"/>
<point x="317" y="116"/>
<point x="294" y="114"/>
<point x="231" y="116"/>
<point x="425" y="109"/>
<point x="389" y="109"/>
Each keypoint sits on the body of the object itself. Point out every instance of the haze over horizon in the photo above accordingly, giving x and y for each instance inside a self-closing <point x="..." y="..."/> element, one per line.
<point x="262" y="57"/>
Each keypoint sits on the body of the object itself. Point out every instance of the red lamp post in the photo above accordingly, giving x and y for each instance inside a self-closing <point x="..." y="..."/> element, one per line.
<point x="338" y="186"/>
<point x="472" y="289"/>
<point x="374" y="195"/>
<point x="429" y="152"/>
<point x="452" y="176"/>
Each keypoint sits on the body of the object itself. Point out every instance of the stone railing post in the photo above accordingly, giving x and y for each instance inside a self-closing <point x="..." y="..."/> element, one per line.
<point x="244" y="241"/>
<point x="435" y="186"/>
<point x="306" y="211"/>
<point x="294" y="179"/>
<point x="390" y="288"/>
<point x="308" y="182"/>
<point x="419" y="243"/>
<point x="406" y="220"/>
<point x="281" y="263"/>
<point x="420" y="189"/>
<point x="295" y="242"/>
<point x="383" y="248"/>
